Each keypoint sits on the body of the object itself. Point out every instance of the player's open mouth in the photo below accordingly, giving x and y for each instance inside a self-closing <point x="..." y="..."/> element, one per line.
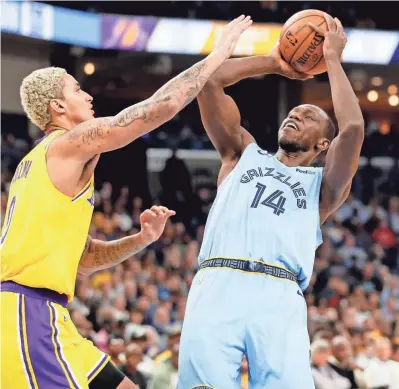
<point x="291" y="125"/>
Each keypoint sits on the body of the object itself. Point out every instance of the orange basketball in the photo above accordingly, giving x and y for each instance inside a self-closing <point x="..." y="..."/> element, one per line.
<point x="300" y="45"/>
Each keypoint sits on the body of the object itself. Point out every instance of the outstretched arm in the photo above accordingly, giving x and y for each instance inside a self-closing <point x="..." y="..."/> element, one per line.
<point x="105" y="134"/>
<point x="219" y="113"/>
<point x="343" y="155"/>
<point x="99" y="255"/>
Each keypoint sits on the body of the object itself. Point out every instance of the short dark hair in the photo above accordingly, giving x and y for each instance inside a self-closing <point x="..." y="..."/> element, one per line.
<point x="331" y="130"/>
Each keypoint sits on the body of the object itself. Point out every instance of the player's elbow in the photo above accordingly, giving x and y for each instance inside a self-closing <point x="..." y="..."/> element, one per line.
<point x="355" y="128"/>
<point x="85" y="271"/>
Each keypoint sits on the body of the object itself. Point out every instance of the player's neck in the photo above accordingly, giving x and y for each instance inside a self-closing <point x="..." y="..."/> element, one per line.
<point x="294" y="159"/>
<point x="59" y="124"/>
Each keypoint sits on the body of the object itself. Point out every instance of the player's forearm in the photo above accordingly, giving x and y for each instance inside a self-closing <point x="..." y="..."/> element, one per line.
<point x="346" y="105"/>
<point x="235" y="70"/>
<point x="99" y="255"/>
<point x="106" y="134"/>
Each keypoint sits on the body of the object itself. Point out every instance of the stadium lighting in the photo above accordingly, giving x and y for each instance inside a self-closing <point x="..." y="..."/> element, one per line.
<point x="392" y="89"/>
<point x="393" y="100"/>
<point x="377" y="81"/>
<point x="89" y="68"/>
<point x="372" y="95"/>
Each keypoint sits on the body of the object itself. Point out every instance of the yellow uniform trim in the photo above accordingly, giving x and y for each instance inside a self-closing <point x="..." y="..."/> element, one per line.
<point x="25" y="340"/>
<point x="55" y="347"/>
<point x="98" y="370"/>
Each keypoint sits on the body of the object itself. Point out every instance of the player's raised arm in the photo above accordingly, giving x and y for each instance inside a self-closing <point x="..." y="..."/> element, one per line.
<point x="219" y="113"/>
<point x="343" y="155"/>
<point x="99" y="255"/>
<point x="105" y="134"/>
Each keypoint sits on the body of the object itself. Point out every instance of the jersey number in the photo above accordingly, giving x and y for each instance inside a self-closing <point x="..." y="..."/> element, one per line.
<point x="274" y="201"/>
<point x="9" y="218"/>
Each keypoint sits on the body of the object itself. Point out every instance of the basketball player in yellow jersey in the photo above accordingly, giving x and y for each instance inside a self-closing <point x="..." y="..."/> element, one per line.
<point x="48" y="215"/>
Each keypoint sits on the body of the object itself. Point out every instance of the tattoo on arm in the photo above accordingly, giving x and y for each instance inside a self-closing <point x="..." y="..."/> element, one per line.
<point x="183" y="88"/>
<point x="102" y="255"/>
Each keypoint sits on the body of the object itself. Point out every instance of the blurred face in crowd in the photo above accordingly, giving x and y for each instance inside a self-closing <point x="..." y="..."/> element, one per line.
<point x="374" y="300"/>
<point x="394" y="204"/>
<point x="120" y="303"/>
<point x="143" y="304"/>
<point x="116" y="347"/>
<point x="172" y="341"/>
<point x="357" y="341"/>
<point x="130" y="289"/>
<point x="320" y="356"/>
<point x="151" y="292"/>
<point x="161" y="316"/>
<point x="160" y="275"/>
<point x="383" y="349"/>
<point x="342" y="351"/>
<point x="136" y="317"/>
<point x="134" y="355"/>
<point x="137" y="203"/>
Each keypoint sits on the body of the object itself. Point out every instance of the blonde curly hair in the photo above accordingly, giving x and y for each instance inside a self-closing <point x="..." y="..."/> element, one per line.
<point x="37" y="90"/>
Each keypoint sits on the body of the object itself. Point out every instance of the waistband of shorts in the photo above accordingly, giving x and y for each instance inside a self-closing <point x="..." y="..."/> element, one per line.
<point x="38" y="293"/>
<point x="249" y="267"/>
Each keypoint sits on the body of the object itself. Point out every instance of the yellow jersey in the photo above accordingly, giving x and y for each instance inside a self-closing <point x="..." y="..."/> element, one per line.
<point x="44" y="231"/>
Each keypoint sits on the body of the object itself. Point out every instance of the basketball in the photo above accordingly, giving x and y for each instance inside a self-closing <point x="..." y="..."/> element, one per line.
<point x="300" y="45"/>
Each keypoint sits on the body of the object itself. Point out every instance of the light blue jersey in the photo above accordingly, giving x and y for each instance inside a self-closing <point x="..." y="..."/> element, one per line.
<point x="265" y="210"/>
<point x="256" y="256"/>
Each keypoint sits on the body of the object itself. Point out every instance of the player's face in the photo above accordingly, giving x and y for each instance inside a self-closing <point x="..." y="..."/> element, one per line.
<point x="303" y="129"/>
<point x="78" y="104"/>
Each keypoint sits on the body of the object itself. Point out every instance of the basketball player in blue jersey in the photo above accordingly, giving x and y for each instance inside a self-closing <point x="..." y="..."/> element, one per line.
<point x="48" y="216"/>
<point x="263" y="229"/>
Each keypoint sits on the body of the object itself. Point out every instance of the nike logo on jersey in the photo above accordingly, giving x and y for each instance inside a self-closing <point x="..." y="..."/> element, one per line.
<point x="300" y="294"/>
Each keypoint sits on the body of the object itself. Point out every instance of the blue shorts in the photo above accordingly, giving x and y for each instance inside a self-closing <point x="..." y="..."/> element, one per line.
<point x="234" y="313"/>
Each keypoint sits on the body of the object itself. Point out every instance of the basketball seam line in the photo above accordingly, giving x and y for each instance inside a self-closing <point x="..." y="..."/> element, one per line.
<point x="315" y="63"/>
<point x="303" y="40"/>
<point x="304" y="17"/>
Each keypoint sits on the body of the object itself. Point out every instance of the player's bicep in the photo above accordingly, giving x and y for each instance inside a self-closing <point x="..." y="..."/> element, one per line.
<point x="342" y="162"/>
<point x="221" y="119"/>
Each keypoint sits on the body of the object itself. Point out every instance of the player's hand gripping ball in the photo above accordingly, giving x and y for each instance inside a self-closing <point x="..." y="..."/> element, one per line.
<point x="302" y="40"/>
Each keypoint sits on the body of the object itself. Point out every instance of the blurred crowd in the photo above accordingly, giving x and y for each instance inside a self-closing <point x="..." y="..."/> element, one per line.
<point x="135" y="311"/>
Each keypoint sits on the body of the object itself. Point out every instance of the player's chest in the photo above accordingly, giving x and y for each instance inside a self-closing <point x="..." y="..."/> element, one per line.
<point x="269" y="188"/>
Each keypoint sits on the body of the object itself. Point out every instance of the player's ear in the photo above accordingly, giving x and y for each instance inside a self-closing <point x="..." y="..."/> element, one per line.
<point x="57" y="105"/>
<point x="323" y="144"/>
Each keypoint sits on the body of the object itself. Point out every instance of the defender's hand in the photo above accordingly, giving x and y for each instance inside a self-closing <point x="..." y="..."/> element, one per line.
<point x="153" y="222"/>
<point x="283" y="68"/>
<point x="230" y="35"/>
<point x="334" y="39"/>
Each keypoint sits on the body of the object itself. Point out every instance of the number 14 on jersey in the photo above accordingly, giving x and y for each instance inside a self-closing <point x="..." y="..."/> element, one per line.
<point x="275" y="200"/>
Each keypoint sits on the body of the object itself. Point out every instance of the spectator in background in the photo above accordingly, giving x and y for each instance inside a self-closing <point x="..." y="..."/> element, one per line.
<point x="325" y="377"/>
<point x="342" y="361"/>
<point x="382" y="371"/>
<point x="173" y="332"/>
<point x="165" y="374"/>
<point x="393" y="215"/>
<point x="177" y="190"/>
<point x="134" y="355"/>
<point x="116" y="350"/>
